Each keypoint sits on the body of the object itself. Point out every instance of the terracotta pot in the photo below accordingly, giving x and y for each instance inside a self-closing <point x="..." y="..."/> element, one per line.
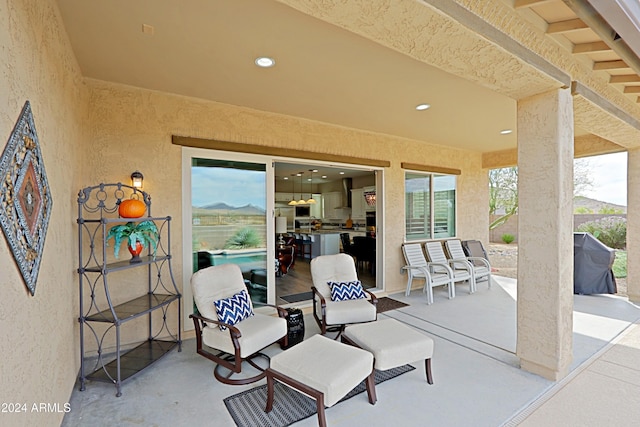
<point x="135" y="252"/>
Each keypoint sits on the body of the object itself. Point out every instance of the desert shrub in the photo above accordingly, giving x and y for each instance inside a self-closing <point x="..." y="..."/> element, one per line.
<point x="612" y="231"/>
<point x="244" y="238"/>
<point x="583" y="210"/>
<point x="620" y="264"/>
<point x="608" y="210"/>
<point x="508" y="238"/>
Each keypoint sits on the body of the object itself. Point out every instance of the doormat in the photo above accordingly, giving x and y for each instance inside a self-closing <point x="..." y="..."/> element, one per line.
<point x="289" y="406"/>
<point x="386" y="304"/>
<point x="297" y="297"/>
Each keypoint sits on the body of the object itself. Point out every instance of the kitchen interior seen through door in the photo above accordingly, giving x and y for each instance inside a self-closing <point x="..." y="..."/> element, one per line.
<point x="229" y="222"/>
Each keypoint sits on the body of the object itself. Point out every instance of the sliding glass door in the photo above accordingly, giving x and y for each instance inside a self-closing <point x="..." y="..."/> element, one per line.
<point x="228" y="220"/>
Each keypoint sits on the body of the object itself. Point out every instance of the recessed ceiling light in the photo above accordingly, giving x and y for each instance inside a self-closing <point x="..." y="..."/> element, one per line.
<point x="324" y="176"/>
<point x="341" y="173"/>
<point x="286" y="177"/>
<point x="315" y="170"/>
<point x="422" y="107"/>
<point x="265" y="62"/>
<point x="505" y="131"/>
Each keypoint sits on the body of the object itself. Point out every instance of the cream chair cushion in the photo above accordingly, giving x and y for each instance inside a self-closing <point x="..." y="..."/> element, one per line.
<point x="258" y="331"/>
<point x="214" y="283"/>
<point x="339" y="268"/>
<point x="332" y="268"/>
<point x="222" y="281"/>
<point x="392" y="343"/>
<point x="332" y="368"/>
<point x="351" y="311"/>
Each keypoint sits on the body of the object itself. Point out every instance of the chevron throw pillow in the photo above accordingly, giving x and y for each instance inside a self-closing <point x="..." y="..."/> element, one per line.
<point x="342" y="291"/>
<point x="233" y="309"/>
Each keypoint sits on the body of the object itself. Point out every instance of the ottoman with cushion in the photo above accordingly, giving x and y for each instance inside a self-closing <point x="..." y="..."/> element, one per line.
<point x="323" y="369"/>
<point x="391" y="343"/>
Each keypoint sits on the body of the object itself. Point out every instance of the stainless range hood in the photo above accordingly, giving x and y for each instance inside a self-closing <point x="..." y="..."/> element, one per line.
<point x="347" y="185"/>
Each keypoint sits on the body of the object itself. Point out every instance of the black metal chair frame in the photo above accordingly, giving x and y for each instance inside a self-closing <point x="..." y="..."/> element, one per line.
<point x="233" y="362"/>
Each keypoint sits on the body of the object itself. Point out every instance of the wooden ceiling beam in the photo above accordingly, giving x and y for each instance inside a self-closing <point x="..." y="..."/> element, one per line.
<point x="520" y="4"/>
<point x="609" y="65"/>
<point x="591" y="47"/>
<point x="627" y="78"/>
<point x="566" y="26"/>
<point x="239" y="147"/>
<point x="603" y="29"/>
<point x="632" y="89"/>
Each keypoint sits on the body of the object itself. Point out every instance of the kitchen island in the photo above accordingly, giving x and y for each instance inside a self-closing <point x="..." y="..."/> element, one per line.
<point x="324" y="243"/>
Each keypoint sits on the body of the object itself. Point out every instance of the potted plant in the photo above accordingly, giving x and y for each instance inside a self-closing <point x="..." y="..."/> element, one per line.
<point x="138" y="235"/>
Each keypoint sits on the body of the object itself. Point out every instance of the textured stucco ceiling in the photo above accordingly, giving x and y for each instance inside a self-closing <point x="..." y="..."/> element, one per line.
<point x="206" y="49"/>
<point x="335" y="63"/>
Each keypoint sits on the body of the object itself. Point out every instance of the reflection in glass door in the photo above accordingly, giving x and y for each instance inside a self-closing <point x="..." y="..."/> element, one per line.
<point x="228" y="219"/>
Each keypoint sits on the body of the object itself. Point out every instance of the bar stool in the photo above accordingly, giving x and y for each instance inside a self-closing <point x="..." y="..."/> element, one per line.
<point x="298" y="240"/>
<point x="306" y="246"/>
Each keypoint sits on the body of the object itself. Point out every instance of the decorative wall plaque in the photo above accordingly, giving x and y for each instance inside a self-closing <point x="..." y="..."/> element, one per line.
<point x="25" y="198"/>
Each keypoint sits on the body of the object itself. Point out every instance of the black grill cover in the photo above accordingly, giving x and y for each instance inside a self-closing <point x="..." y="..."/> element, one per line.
<point x="592" y="263"/>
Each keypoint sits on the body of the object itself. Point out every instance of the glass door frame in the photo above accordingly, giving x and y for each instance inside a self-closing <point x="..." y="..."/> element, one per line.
<point x="187" y="258"/>
<point x="188" y="153"/>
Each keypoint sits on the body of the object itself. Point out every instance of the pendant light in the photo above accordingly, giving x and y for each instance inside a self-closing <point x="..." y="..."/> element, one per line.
<point x="301" y="201"/>
<point x="293" y="196"/>
<point x="311" y="200"/>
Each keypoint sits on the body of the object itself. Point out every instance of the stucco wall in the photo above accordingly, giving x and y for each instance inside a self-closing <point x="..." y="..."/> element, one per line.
<point x="93" y="132"/>
<point x="132" y="129"/>
<point x="39" y="339"/>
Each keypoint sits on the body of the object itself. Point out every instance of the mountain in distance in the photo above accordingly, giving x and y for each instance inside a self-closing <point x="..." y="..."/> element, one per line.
<point x="223" y="208"/>
<point x="217" y="206"/>
<point x="595" y="206"/>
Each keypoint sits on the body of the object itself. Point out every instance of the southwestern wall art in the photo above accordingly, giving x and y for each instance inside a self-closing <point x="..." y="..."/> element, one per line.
<point x="25" y="198"/>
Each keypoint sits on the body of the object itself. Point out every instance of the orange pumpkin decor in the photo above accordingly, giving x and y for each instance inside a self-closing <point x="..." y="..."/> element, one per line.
<point x="132" y="208"/>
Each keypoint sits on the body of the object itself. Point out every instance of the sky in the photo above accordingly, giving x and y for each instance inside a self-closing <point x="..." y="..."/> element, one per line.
<point x="609" y="174"/>
<point x="234" y="187"/>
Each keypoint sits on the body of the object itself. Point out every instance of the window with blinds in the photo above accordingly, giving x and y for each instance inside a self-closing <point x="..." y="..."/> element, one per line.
<point x="430" y="202"/>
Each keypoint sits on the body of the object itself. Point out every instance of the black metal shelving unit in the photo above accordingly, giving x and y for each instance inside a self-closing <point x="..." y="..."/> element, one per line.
<point x="98" y="276"/>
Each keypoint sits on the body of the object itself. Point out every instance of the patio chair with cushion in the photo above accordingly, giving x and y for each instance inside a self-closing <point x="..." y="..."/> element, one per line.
<point x="434" y="274"/>
<point x="338" y="296"/>
<point x="461" y="268"/>
<point x="227" y="324"/>
<point x="474" y="248"/>
<point x="480" y="265"/>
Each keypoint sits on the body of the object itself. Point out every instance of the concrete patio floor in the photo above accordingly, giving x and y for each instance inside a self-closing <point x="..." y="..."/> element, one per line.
<point x="477" y="381"/>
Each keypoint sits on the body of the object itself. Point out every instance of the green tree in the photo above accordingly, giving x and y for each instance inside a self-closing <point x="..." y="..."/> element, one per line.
<point x="503" y="194"/>
<point x="582" y="173"/>
<point x="503" y="189"/>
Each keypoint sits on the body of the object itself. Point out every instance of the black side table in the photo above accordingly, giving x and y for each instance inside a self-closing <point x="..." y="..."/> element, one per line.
<point x="295" y="327"/>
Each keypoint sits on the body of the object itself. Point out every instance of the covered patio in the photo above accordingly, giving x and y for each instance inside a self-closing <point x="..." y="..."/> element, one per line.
<point x="447" y="88"/>
<point x="477" y="380"/>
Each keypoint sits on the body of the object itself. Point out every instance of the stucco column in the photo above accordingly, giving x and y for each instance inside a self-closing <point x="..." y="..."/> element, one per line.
<point x="545" y="233"/>
<point x="633" y="225"/>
